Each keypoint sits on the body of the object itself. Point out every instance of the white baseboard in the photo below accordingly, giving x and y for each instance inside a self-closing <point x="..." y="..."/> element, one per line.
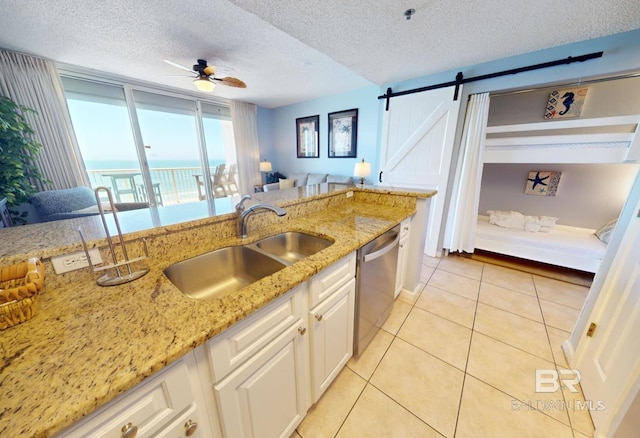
<point x="569" y="352"/>
<point x="410" y="297"/>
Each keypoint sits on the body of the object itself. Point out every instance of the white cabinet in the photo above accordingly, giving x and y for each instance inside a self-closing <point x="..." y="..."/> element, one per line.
<point x="265" y="374"/>
<point x="163" y="405"/>
<point x="331" y="324"/>
<point x="256" y="379"/>
<point x="402" y="255"/>
<point x="268" y="395"/>
<point x="261" y="370"/>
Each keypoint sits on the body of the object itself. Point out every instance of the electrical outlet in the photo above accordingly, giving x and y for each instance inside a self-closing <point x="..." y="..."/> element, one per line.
<point x="75" y="260"/>
<point x="349" y="194"/>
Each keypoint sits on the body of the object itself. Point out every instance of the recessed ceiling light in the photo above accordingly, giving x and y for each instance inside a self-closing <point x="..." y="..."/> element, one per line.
<point x="409" y="13"/>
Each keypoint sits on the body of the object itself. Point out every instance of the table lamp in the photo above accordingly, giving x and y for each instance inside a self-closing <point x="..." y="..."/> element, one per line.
<point x="362" y="170"/>
<point x="265" y="166"/>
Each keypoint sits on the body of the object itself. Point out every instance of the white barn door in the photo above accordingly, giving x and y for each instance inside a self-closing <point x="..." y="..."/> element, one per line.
<point x="417" y="144"/>
<point x="610" y="360"/>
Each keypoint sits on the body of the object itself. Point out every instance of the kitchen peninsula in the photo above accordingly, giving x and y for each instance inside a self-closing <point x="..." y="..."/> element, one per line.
<point x="88" y="344"/>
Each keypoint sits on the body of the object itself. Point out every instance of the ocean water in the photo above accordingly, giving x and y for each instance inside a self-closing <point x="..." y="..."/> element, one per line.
<point x="175" y="183"/>
<point x="133" y="164"/>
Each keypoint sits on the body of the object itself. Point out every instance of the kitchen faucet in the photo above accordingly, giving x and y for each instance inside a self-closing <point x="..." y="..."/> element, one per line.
<point x="244" y="214"/>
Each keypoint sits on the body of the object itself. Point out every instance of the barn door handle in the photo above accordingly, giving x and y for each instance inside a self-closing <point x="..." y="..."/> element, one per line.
<point x="380" y="176"/>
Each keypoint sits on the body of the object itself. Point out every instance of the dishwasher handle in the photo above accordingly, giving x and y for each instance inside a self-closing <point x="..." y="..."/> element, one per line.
<point x="382" y="251"/>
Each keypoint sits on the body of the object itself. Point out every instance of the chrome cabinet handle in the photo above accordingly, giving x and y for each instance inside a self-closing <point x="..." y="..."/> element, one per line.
<point x="190" y="427"/>
<point x="129" y="431"/>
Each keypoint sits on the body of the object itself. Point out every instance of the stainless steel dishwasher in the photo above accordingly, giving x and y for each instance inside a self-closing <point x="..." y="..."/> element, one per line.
<point x="376" y="265"/>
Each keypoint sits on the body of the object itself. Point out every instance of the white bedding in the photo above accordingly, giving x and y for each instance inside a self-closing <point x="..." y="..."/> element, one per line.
<point x="571" y="247"/>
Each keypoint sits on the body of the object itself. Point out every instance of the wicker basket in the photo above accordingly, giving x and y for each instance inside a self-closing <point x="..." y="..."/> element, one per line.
<point x="20" y="285"/>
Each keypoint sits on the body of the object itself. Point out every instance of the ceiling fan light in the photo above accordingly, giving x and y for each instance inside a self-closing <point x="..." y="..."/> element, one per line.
<point x="205" y="85"/>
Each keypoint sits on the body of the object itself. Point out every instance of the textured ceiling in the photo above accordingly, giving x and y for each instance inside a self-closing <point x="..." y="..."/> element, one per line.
<point x="295" y="50"/>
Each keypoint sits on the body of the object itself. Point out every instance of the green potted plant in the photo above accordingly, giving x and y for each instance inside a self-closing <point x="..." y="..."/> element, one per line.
<point x="18" y="150"/>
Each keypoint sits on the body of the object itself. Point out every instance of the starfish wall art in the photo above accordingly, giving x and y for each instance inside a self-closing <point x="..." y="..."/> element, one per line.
<point x="542" y="183"/>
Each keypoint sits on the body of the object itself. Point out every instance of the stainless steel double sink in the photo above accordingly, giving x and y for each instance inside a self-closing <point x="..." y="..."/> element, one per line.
<point x="226" y="270"/>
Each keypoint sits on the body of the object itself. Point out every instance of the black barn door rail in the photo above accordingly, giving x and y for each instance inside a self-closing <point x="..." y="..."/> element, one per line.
<point x="461" y="80"/>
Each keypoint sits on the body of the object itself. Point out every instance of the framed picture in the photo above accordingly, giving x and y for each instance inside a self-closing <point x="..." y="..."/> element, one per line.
<point x="343" y="133"/>
<point x="308" y="136"/>
<point x="542" y="183"/>
<point x="566" y="103"/>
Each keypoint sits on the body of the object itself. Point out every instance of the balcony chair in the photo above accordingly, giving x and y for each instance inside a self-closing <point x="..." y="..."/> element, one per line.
<point x="53" y="205"/>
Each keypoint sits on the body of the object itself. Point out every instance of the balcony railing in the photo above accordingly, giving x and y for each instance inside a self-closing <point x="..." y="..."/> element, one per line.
<point x="170" y="185"/>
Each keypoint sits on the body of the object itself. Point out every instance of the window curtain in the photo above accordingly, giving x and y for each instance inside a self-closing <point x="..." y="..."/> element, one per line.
<point x="34" y="83"/>
<point x="463" y="211"/>
<point x="245" y="131"/>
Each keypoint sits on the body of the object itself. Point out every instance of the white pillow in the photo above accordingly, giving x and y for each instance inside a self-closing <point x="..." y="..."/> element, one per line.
<point x="548" y="221"/>
<point x="286" y="183"/>
<point x="506" y="219"/>
<point x="532" y="223"/>
<point x="604" y="232"/>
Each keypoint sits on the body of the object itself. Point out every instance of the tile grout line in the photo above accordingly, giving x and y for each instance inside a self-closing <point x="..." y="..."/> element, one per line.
<point x="555" y="361"/>
<point x="413" y="305"/>
<point x="466" y="365"/>
<point x="368" y="380"/>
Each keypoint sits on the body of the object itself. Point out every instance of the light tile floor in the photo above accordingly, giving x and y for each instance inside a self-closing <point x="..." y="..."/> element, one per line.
<point x="461" y="361"/>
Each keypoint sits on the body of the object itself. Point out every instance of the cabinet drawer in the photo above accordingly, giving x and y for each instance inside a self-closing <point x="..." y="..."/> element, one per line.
<point x="149" y="406"/>
<point x="325" y="283"/>
<point x="241" y="341"/>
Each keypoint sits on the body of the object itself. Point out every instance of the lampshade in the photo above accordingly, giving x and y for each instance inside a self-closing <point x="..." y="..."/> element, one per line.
<point x="204" y="84"/>
<point x="362" y="170"/>
<point x="265" y="166"/>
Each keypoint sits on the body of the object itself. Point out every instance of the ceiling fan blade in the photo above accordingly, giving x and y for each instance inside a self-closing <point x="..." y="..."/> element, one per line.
<point x="180" y="66"/>
<point x="229" y="81"/>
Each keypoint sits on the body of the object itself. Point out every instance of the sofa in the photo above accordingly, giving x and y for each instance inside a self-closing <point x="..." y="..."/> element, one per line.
<point x="307" y="179"/>
<point x="53" y="205"/>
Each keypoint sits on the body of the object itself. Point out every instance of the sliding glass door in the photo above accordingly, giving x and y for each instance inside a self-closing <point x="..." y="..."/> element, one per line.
<point x="103" y="130"/>
<point x="151" y="147"/>
<point x="171" y="147"/>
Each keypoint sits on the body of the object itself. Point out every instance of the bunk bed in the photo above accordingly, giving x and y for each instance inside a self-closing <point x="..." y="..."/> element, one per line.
<point x="570" y="247"/>
<point x="595" y="140"/>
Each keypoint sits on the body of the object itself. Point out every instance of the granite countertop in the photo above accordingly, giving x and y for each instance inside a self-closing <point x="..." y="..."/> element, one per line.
<point x="89" y="344"/>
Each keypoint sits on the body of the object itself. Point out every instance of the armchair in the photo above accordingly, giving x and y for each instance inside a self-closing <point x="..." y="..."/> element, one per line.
<point x="53" y="205"/>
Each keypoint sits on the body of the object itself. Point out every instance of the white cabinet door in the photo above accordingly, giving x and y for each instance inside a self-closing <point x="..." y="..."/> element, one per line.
<point x="268" y="396"/>
<point x="331" y="324"/>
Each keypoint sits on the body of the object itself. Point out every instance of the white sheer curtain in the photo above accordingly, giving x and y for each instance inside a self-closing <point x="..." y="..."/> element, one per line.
<point x="463" y="211"/>
<point x="245" y="131"/>
<point x="34" y="82"/>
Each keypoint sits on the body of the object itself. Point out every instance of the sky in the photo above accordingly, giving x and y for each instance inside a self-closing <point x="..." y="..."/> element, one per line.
<point x="104" y="133"/>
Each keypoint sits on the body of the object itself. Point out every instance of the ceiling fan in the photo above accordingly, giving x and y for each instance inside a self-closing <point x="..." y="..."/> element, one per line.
<point x="205" y="76"/>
